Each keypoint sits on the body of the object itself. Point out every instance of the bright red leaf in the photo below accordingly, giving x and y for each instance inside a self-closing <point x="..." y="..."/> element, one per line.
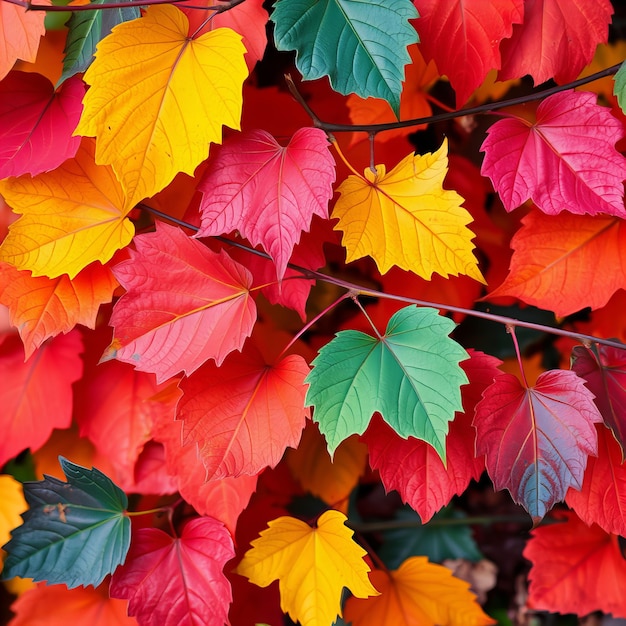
<point x="36" y="395"/>
<point x="605" y="375"/>
<point x="576" y="569"/>
<point x="602" y="499"/>
<point x="244" y="414"/>
<point x="177" y="581"/>
<point x="184" y="304"/>
<point x="556" y="40"/>
<point x="565" y="161"/>
<point x="537" y="440"/>
<point x="37" y="123"/>
<point x="268" y="192"/>
<point x="464" y="38"/>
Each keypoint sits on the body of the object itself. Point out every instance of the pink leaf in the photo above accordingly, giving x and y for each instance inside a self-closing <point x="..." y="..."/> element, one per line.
<point x="267" y="192"/>
<point x="565" y="161"/>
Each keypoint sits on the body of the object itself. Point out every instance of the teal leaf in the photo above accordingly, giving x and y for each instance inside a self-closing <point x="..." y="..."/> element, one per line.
<point x="85" y="30"/>
<point x="619" y="89"/>
<point x="361" y="45"/>
<point x="410" y="375"/>
<point x="75" y="532"/>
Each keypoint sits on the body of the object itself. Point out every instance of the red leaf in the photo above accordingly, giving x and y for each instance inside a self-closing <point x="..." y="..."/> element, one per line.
<point x="536" y="440"/>
<point x="244" y="414"/>
<point x="414" y="469"/>
<point x="177" y="581"/>
<point x="37" y="123"/>
<point x="602" y="499"/>
<point x="557" y="257"/>
<point x="267" y="192"/>
<point x="36" y="396"/>
<point x="198" y="309"/>
<point x="576" y="569"/>
<point x="464" y="38"/>
<point x="557" y="39"/>
<point x="606" y="379"/>
<point x="565" y="161"/>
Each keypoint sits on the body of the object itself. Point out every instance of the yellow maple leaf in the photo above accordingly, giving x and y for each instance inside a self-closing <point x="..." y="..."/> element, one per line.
<point x="418" y="593"/>
<point x="312" y="566"/>
<point x="158" y="97"/>
<point x="70" y="217"/>
<point x="12" y="504"/>
<point x="406" y="218"/>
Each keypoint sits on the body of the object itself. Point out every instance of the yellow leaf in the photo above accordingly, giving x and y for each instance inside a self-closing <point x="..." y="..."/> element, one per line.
<point x="406" y="218"/>
<point x="71" y="217"/>
<point x="158" y="98"/>
<point x="312" y="566"/>
<point x="12" y="503"/>
<point x="419" y="593"/>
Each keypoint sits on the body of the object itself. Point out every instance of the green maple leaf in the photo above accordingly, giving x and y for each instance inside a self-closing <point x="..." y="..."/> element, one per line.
<point x="619" y="88"/>
<point x="361" y="45"/>
<point x="410" y="375"/>
<point x="74" y="532"/>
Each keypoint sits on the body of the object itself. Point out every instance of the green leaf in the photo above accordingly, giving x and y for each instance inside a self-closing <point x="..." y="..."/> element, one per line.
<point x="436" y="541"/>
<point x="86" y="30"/>
<point x="411" y="376"/>
<point x="361" y="45"/>
<point x="619" y="89"/>
<point x="74" y="532"/>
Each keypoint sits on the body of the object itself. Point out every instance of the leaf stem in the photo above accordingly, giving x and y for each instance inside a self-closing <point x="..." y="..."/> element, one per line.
<point x="369" y="319"/>
<point x="333" y="141"/>
<point x="511" y="330"/>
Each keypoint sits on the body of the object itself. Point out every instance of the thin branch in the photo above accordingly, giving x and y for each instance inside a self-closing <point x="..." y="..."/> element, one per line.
<point x="356" y="289"/>
<point x="51" y="8"/>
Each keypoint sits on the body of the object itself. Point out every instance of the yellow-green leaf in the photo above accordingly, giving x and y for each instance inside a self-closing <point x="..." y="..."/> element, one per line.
<point x="406" y="218"/>
<point x="158" y="98"/>
<point x="312" y="566"/>
<point x="71" y="217"/>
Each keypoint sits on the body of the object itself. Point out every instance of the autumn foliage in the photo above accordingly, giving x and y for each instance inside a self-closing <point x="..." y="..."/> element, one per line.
<point x="290" y="289"/>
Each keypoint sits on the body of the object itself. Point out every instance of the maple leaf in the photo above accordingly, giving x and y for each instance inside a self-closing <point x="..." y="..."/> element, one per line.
<point x="327" y="32"/>
<point x="244" y="414"/>
<point x="201" y="309"/>
<point x="603" y="372"/>
<point x="575" y="568"/>
<point x="602" y="497"/>
<point x="410" y="375"/>
<point x="556" y="40"/>
<point x="267" y="192"/>
<point x="406" y="218"/>
<point x="70" y="217"/>
<point x="74" y="532"/>
<point x="177" y="581"/>
<point x="312" y="566"/>
<point x="464" y="38"/>
<point x="149" y="123"/>
<point x="565" y="161"/>
<point x="20" y="32"/>
<point x="537" y="439"/>
<point x="38" y="122"/>
<point x="556" y="257"/>
<point x="418" y="592"/>
<point x="619" y="87"/>
<point x="42" y="307"/>
<point x="12" y="505"/>
<point x="36" y="395"/>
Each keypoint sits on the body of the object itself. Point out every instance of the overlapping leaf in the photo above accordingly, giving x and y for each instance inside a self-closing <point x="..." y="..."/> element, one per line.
<point x="12" y="505"/>
<point x="177" y="581"/>
<point x="418" y="592"/>
<point x="158" y="98"/>
<point x="556" y="258"/>
<point x="268" y="192"/>
<point x="619" y="89"/>
<point x="537" y="439"/>
<point x="243" y="415"/>
<point x="464" y="38"/>
<point x="70" y="217"/>
<point x="406" y="218"/>
<point x="556" y="40"/>
<point x="199" y="309"/>
<point x="373" y="35"/>
<point x="312" y="566"/>
<point x="36" y="133"/>
<point x="74" y="532"/>
<point x="410" y="375"/>
<point x="565" y="161"/>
